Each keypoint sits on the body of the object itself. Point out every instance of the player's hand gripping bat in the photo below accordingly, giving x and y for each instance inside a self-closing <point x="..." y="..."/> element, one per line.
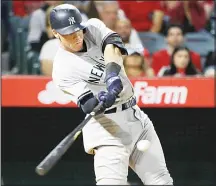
<point x="52" y="158"/>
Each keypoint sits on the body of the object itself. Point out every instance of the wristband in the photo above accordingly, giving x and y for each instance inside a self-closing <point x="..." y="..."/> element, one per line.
<point x="112" y="69"/>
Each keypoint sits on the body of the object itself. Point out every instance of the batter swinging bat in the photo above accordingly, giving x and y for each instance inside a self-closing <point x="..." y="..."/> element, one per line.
<point x="52" y="158"/>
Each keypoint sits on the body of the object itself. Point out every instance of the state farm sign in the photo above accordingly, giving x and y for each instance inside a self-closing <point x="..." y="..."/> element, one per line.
<point x="143" y="92"/>
<point x="160" y="94"/>
<point x="51" y="94"/>
<point x="39" y="91"/>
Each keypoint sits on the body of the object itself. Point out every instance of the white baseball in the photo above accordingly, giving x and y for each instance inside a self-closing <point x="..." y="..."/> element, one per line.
<point x="143" y="145"/>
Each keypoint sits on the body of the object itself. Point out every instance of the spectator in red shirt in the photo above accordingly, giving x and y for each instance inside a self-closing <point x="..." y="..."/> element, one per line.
<point x="19" y="8"/>
<point x="144" y="15"/>
<point x="210" y="15"/>
<point x="181" y="64"/>
<point x="174" y="38"/>
<point x="24" y="8"/>
<point x="190" y="14"/>
<point x="208" y="7"/>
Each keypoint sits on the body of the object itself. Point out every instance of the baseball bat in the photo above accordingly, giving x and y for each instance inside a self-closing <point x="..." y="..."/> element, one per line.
<point x="53" y="157"/>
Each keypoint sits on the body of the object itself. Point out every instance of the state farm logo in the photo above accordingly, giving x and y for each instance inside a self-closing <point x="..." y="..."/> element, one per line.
<point x="52" y="94"/>
<point x="161" y="94"/>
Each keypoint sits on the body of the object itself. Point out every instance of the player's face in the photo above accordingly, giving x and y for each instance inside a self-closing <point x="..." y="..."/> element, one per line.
<point x="181" y="59"/>
<point x="175" y="37"/>
<point x="73" y="42"/>
<point x="124" y="30"/>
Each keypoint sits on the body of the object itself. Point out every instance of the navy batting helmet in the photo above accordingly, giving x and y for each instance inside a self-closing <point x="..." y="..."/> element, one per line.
<point x="66" y="19"/>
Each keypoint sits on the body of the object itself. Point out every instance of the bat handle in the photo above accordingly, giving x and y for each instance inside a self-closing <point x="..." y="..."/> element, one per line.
<point x="97" y="108"/>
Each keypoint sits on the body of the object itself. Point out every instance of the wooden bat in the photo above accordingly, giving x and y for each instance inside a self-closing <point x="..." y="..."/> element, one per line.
<point x="54" y="156"/>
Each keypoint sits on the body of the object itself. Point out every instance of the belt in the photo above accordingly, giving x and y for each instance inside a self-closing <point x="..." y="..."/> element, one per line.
<point x="124" y="106"/>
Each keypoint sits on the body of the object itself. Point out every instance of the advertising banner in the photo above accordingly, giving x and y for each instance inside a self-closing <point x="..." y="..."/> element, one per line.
<point x="39" y="91"/>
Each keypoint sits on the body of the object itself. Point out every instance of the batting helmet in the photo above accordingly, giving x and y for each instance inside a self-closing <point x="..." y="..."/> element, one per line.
<point x="66" y="19"/>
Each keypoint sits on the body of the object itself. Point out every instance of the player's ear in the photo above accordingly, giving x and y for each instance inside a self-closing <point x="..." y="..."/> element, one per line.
<point x="55" y="33"/>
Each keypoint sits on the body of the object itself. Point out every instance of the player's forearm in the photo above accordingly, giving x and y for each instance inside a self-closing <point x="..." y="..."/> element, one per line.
<point x="113" y="60"/>
<point x="113" y="54"/>
<point x="114" y="63"/>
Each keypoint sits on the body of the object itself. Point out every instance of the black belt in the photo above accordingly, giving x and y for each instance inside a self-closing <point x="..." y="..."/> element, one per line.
<point x="124" y="106"/>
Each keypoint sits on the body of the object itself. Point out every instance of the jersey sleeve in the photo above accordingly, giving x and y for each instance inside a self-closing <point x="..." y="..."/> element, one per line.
<point x="103" y="35"/>
<point x="70" y="79"/>
<point x="76" y="89"/>
<point x="99" y="30"/>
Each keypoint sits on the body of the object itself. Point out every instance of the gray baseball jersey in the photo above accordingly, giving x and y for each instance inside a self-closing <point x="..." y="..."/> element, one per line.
<point x="83" y="72"/>
<point x="111" y="137"/>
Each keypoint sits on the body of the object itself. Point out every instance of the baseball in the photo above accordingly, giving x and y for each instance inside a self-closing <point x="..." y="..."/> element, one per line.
<point x="143" y="145"/>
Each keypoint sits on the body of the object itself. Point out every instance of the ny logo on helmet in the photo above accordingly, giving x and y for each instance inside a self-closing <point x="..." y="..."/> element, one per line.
<point x="71" y="20"/>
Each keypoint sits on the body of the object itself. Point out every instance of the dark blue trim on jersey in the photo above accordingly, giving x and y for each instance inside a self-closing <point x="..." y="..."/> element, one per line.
<point x="88" y="102"/>
<point x="84" y="94"/>
<point x="116" y="40"/>
<point x="102" y="43"/>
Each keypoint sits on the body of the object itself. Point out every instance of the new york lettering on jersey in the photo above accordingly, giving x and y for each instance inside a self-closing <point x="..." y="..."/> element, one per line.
<point x="96" y="73"/>
<point x="94" y="56"/>
<point x="96" y="62"/>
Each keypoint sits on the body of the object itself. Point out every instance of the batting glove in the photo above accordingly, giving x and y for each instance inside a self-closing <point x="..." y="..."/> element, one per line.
<point x="114" y="84"/>
<point x="107" y="97"/>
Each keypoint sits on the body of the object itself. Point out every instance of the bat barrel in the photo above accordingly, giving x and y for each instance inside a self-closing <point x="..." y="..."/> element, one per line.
<point x="53" y="157"/>
<point x="40" y="171"/>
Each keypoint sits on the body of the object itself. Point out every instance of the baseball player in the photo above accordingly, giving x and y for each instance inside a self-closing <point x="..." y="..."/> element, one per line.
<point x="89" y="67"/>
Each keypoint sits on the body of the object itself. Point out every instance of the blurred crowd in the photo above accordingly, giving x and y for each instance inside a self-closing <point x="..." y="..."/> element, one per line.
<point x="163" y="38"/>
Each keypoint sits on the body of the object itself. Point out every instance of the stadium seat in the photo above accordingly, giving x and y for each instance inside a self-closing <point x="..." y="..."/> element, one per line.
<point x="18" y="40"/>
<point x="152" y="41"/>
<point x="13" y="39"/>
<point x="33" y="63"/>
<point x="200" y="42"/>
<point x="24" y="23"/>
